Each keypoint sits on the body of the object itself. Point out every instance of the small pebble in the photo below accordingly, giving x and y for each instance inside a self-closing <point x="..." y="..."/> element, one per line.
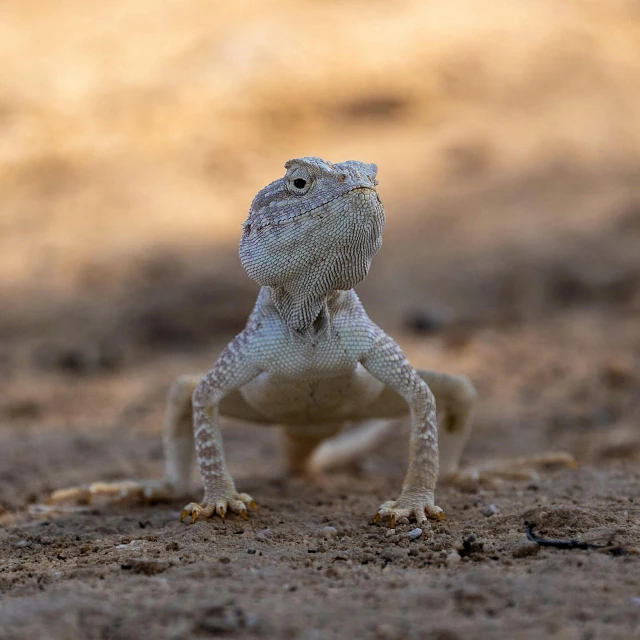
<point x="327" y="532"/>
<point x="490" y="510"/>
<point x="264" y="534"/>
<point x="453" y="558"/>
<point x="390" y="532"/>
<point x="21" y="544"/>
<point x="415" y="534"/>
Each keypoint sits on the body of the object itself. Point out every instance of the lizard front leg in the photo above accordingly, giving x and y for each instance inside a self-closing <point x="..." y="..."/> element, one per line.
<point x="386" y="361"/>
<point x="234" y="368"/>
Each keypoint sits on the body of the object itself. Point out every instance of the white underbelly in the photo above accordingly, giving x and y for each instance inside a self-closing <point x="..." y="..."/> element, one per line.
<point x="300" y="401"/>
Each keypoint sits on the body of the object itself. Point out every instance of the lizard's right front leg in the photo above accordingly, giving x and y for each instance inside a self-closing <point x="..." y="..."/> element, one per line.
<point x="234" y="368"/>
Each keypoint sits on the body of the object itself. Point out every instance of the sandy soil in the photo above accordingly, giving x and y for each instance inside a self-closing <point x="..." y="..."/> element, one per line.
<point x="509" y="155"/>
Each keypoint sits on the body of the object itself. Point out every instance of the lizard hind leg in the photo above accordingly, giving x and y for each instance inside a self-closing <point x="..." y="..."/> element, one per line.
<point x="178" y="455"/>
<point x="302" y="443"/>
<point x="178" y="451"/>
<point x="347" y="448"/>
<point x="455" y="398"/>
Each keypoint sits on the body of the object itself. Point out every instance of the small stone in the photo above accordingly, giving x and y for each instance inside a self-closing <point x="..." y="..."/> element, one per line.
<point x="21" y="544"/>
<point x="327" y="532"/>
<point x="470" y="544"/>
<point x="389" y="533"/>
<point x="525" y="550"/>
<point x="490" y="510"/>
<point x="453" y="558"/>
<point x="415" y="534"/>
<point x="264" y="534"/>
<point x="403" y="520"/>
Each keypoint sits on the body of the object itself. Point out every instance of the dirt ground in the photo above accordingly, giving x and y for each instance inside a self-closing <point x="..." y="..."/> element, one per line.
<point x="509" y="152"/>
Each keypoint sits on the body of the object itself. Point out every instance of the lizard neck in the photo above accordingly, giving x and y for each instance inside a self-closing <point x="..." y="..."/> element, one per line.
<point x="303" y="310"/>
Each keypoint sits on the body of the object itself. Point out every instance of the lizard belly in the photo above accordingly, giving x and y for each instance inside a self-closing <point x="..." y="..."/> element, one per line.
<point x="301" y="400"/>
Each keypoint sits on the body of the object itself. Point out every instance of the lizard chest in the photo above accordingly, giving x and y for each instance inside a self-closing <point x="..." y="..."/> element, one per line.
<point x="307" y="361"/>
<point x="311" y="400"/>
<point x="301" y="357"/>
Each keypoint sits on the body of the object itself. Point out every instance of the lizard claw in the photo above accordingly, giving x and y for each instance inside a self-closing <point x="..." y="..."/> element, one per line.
<point x="236" y="503"/>
<point x="221" y="509"/>
<point x="409" y="507"/>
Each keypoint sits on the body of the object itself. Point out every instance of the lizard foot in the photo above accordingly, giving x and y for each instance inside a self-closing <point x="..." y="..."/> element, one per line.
<point x="124" y="491"/>
<point x="236" y="502"/>
<point x="417" y="507"/>
<point x="524" y="468"/>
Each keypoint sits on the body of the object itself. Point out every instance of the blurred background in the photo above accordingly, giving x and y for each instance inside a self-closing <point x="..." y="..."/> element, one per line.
<point x="134" y="134"/>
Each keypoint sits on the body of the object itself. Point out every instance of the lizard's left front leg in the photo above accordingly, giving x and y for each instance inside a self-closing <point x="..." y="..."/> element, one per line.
<point x="387" y="363"/>
<point x="235" y="367"/>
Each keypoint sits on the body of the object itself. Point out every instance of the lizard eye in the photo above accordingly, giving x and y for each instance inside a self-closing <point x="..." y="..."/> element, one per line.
<point x="300" y="186"/>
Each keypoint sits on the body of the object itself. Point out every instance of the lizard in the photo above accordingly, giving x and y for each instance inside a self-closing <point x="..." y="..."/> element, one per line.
<point x="309" y="358"/>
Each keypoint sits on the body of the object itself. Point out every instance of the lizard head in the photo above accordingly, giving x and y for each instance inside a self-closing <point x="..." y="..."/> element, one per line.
<point x="316" y="229"/>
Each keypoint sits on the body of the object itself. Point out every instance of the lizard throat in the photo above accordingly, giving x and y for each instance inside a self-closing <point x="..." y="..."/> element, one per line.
<point x="301" y="311"/>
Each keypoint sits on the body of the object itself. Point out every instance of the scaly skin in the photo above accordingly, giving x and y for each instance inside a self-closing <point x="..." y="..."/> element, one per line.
<point x="309" y="353"/>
